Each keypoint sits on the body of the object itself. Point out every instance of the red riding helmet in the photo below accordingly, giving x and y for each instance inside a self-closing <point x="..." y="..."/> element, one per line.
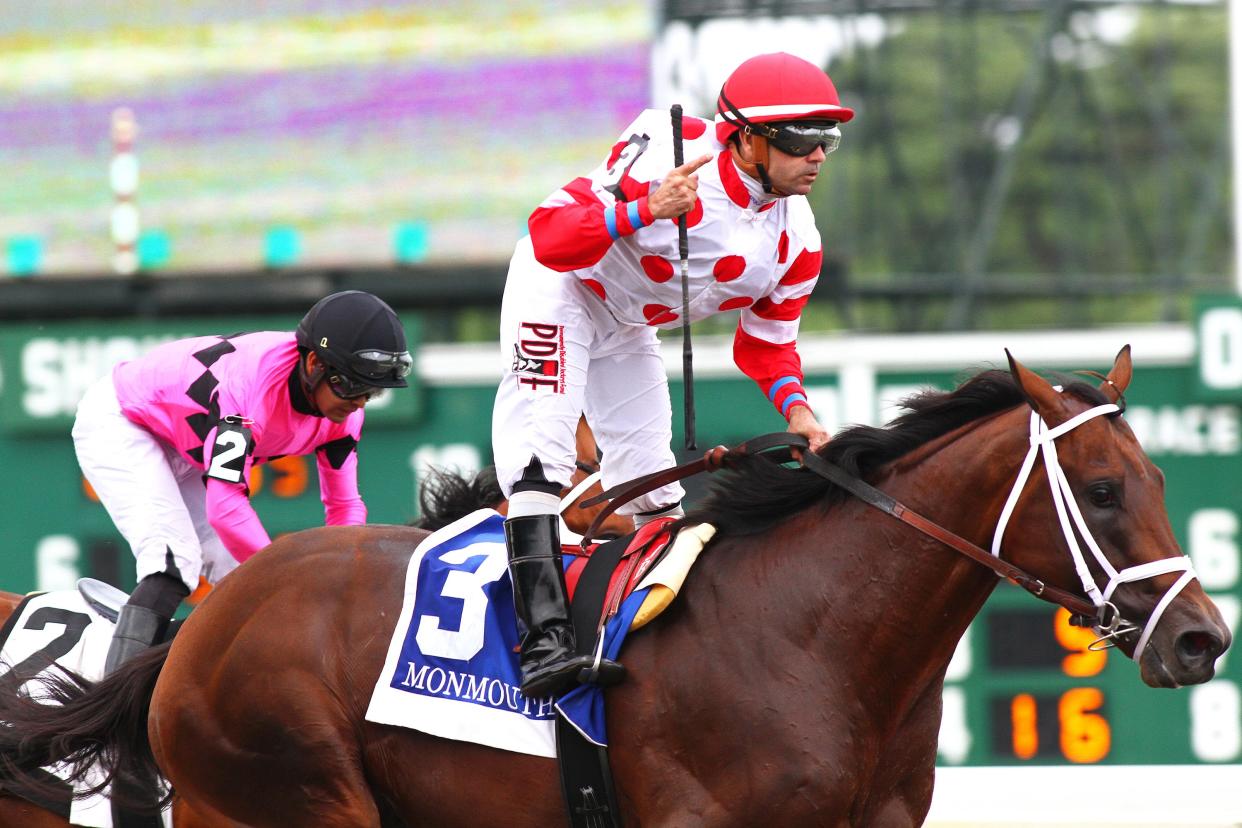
<point x="776" y="87"/>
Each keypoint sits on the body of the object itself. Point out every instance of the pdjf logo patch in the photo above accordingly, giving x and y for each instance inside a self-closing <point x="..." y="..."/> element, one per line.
<point x="539" y="357"/>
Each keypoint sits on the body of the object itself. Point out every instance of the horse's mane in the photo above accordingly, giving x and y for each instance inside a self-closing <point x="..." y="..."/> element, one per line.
<point x="755" y="493"/>
<point x="447" y="495"/>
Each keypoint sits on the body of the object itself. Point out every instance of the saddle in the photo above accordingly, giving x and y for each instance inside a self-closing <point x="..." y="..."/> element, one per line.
<point x="657" y="558"/>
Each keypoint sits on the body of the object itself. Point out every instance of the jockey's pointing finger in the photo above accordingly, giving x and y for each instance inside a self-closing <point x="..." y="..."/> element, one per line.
<point x="676" y="193"/>
<point x="689" y="167"/>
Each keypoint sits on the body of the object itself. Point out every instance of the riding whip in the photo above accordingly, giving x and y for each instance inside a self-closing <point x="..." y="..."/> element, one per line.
<point x="683" y="248"/>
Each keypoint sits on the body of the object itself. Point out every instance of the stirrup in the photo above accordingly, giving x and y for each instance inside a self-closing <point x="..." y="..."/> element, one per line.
<point x="561" y="677"/>
<point x="605" y="674"/>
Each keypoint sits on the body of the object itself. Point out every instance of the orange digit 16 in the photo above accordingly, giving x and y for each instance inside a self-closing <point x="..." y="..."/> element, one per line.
<point x="1085" y="734"/>
<point x="1081" y="661"/>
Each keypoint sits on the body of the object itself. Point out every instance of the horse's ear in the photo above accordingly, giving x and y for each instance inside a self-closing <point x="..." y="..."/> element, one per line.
<point x="1118" y="379"/>
<point x="1038" y="392"/>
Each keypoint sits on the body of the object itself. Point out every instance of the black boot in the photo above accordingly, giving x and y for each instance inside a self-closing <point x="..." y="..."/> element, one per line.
<point x="550" y="662"/>
<point x="145" y="617"/>
<point x="137" y="628"/>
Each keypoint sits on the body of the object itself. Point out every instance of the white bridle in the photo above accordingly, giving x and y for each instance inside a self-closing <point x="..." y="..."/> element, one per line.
<point x="1043" y="438"/>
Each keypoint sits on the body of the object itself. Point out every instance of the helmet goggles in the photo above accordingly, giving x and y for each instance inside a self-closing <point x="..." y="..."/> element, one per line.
<point x="801" y="138"/>
<point x="384" y="368"/>
<point x="347" y="389"/>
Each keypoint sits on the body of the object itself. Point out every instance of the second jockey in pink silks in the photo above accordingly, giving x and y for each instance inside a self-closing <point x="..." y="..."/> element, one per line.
<point x="599" y="273"/>
<point x="168" y="440"/>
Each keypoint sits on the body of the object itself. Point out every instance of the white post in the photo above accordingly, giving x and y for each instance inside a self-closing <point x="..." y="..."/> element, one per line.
<point x="123" y="176"/>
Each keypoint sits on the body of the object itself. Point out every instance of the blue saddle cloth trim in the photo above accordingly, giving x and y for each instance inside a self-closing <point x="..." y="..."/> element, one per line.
<point x="583" y="706"/>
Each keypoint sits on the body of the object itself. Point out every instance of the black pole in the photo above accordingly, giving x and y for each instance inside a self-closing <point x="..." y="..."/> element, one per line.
<point x="683" y="247"/>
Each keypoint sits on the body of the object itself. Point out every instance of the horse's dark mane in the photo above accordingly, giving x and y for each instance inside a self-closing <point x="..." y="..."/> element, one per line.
<point x="754" y="493"/>
<point x="446" y="496"/>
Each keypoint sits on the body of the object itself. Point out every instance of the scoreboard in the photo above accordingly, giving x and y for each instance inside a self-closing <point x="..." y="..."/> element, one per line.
<point x="1025" y="688"/>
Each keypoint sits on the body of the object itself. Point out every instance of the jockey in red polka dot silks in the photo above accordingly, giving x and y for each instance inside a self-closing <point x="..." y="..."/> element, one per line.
<point x="600" y="271"/>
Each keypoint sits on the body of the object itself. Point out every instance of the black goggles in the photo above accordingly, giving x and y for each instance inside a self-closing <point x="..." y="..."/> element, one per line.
<point x="348" y="389"/>
<point x="379" y="366"/>
<point x="802" y="139"/>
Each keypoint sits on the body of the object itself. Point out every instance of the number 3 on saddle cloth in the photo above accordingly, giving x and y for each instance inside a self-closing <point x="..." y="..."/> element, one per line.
<point x="452" y="665"/>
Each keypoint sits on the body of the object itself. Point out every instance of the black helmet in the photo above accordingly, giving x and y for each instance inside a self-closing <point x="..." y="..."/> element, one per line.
<point x="358" y="337"/>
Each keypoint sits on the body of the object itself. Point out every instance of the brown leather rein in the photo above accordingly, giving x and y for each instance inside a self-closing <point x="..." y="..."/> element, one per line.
<point x="794" y="447"/>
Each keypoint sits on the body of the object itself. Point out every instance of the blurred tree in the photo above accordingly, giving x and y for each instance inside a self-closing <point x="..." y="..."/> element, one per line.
<point x="1071" y="154"/>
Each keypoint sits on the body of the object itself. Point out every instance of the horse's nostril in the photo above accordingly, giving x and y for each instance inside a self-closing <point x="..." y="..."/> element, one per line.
<point x="1197" y="647"/>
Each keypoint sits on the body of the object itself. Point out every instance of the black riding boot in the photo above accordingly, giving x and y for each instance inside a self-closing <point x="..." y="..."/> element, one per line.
<point x="145" y="617"/>
<point x="550" y="663"/>
<point x="137" y="628"/>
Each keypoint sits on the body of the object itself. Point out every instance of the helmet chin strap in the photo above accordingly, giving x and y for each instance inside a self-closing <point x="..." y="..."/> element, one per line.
<point x="758" y="167"/>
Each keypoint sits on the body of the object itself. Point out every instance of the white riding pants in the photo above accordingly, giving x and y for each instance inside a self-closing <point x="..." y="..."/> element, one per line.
<point x="565" y="355"/>
<point x="155" y="497"/>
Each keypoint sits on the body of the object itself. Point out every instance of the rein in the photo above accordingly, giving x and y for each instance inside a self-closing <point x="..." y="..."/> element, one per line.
<point x="1098" y="612"/>
<point x="718" y="457"/>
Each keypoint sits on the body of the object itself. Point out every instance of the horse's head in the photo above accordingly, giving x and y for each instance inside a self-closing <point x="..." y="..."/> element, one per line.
<point x="1089" y="485"/>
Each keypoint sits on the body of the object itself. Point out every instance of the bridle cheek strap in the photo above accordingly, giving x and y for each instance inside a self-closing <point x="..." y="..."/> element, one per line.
<point x="1108" y="621"/>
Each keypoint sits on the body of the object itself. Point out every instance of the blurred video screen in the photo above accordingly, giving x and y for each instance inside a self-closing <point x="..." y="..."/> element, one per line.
<point x="304" y="132"/>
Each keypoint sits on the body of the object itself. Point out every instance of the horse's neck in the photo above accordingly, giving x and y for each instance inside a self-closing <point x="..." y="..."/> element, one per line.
<point x="910" y="598"/>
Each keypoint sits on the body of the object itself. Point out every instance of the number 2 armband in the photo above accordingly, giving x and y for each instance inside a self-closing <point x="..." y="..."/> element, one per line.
<point x="233" y="442"/>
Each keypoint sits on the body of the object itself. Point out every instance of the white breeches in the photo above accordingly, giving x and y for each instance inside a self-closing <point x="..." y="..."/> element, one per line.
<point x="155" y="497"/>
<point x="564" y="355"/>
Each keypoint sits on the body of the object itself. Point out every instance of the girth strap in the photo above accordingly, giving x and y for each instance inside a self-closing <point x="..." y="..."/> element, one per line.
<point x="795" y="445"/>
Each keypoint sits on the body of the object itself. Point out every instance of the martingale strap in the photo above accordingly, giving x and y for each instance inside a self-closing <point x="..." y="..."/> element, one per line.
<point x="788" y="443"/>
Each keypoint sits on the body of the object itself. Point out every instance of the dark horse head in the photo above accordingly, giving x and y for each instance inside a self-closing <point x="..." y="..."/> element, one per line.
<point x="1115" y="536"/>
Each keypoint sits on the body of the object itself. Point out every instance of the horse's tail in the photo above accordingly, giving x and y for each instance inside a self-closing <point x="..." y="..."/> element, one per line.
<point x="446" y="496"/>
<point x="69" y="719"/>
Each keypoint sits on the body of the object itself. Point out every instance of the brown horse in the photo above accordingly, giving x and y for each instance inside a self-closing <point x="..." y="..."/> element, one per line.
<point x="444" y="497"/>
<point x="796" y="681"/>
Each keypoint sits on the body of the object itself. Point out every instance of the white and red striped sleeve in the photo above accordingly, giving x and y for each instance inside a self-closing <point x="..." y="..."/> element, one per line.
<point x="575" y="226"/>
<point x="765" y="344"/>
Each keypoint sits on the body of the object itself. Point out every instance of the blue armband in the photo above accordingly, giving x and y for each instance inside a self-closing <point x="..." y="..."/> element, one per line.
<point x="610" y="221"/>
<point x="778" y="385"/>
<point x="789" y="401"/>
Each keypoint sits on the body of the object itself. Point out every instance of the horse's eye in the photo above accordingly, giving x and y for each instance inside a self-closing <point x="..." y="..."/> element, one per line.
<point x="1102" y="495"/>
